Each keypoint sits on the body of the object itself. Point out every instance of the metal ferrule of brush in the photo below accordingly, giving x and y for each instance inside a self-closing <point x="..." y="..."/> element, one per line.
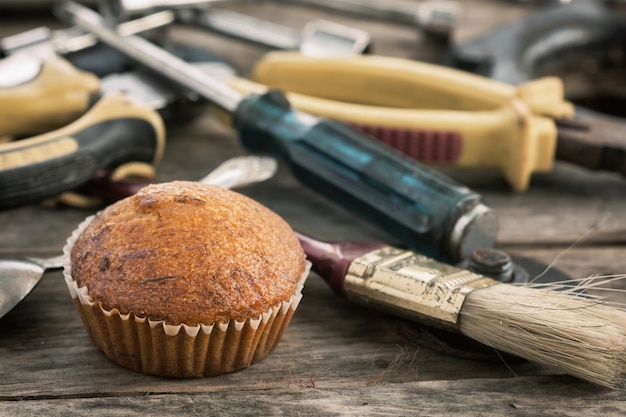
<point x="412" y="286"/>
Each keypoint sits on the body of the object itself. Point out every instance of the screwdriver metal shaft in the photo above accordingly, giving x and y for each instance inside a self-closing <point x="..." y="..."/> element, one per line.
<point x="154" y="57"/>
<point x="415" y="204"/>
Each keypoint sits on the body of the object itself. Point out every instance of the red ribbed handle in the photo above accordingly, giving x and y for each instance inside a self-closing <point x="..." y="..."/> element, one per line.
<point x="423" y="145"/>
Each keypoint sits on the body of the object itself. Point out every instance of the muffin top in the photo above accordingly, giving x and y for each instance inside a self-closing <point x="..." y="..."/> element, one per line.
<point x="186" y="252"/>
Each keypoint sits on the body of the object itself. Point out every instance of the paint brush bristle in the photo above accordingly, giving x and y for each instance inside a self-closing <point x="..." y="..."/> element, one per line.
<point x="571" y="333"/>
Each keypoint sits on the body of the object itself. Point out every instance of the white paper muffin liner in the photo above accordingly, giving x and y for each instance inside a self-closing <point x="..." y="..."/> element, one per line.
<point x="158" y="348"/>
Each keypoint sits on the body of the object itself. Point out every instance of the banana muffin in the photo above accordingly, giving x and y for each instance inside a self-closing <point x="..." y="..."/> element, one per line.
<point x="185" y="279"/>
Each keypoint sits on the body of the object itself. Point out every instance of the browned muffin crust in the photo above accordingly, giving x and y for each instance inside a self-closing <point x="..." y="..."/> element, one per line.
<point x="190" y="253"/>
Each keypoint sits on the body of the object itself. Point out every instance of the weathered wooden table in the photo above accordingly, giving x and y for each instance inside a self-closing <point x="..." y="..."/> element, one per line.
<point x="336" y="358"/>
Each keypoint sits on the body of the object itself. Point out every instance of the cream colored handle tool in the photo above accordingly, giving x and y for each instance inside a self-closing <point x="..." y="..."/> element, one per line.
<point x="114" y="134"/>
<point x="402" y="83"/>
<point x="38" y="96"/>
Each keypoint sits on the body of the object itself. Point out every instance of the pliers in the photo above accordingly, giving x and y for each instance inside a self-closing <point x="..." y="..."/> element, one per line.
<point x="443" y="115"/>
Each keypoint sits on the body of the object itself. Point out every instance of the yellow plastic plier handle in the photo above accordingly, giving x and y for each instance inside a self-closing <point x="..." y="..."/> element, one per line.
<point x="433" y="113"/>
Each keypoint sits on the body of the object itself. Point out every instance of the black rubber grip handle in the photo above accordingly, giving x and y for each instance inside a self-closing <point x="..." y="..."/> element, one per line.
<point x="114" y="132"/>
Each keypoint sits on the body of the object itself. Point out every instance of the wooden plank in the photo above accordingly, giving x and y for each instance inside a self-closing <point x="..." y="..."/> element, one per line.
<point x="547" y="396"/>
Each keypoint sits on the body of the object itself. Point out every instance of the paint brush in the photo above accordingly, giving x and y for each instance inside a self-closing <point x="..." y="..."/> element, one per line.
<point x="564" y="330"/>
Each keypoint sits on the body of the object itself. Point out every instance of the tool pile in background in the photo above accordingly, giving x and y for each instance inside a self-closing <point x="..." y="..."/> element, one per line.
<point x="365" y="131"/>
<point x="420" y="206"/>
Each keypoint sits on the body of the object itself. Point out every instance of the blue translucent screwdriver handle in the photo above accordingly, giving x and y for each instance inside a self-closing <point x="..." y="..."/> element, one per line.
<point x="415" y="204"/>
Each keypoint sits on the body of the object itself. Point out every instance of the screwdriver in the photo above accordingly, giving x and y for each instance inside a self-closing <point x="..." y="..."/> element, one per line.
<point x="417" y="205"/>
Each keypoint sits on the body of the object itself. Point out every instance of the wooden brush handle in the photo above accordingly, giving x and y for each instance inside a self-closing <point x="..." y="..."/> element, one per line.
<point x="332" y="260"/>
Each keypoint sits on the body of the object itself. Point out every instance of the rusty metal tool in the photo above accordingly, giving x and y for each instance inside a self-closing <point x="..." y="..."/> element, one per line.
<point x="592" y="142"/>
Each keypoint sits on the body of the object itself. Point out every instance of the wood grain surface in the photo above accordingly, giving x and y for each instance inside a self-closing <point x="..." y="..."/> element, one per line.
<point x="336" y="358"/>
